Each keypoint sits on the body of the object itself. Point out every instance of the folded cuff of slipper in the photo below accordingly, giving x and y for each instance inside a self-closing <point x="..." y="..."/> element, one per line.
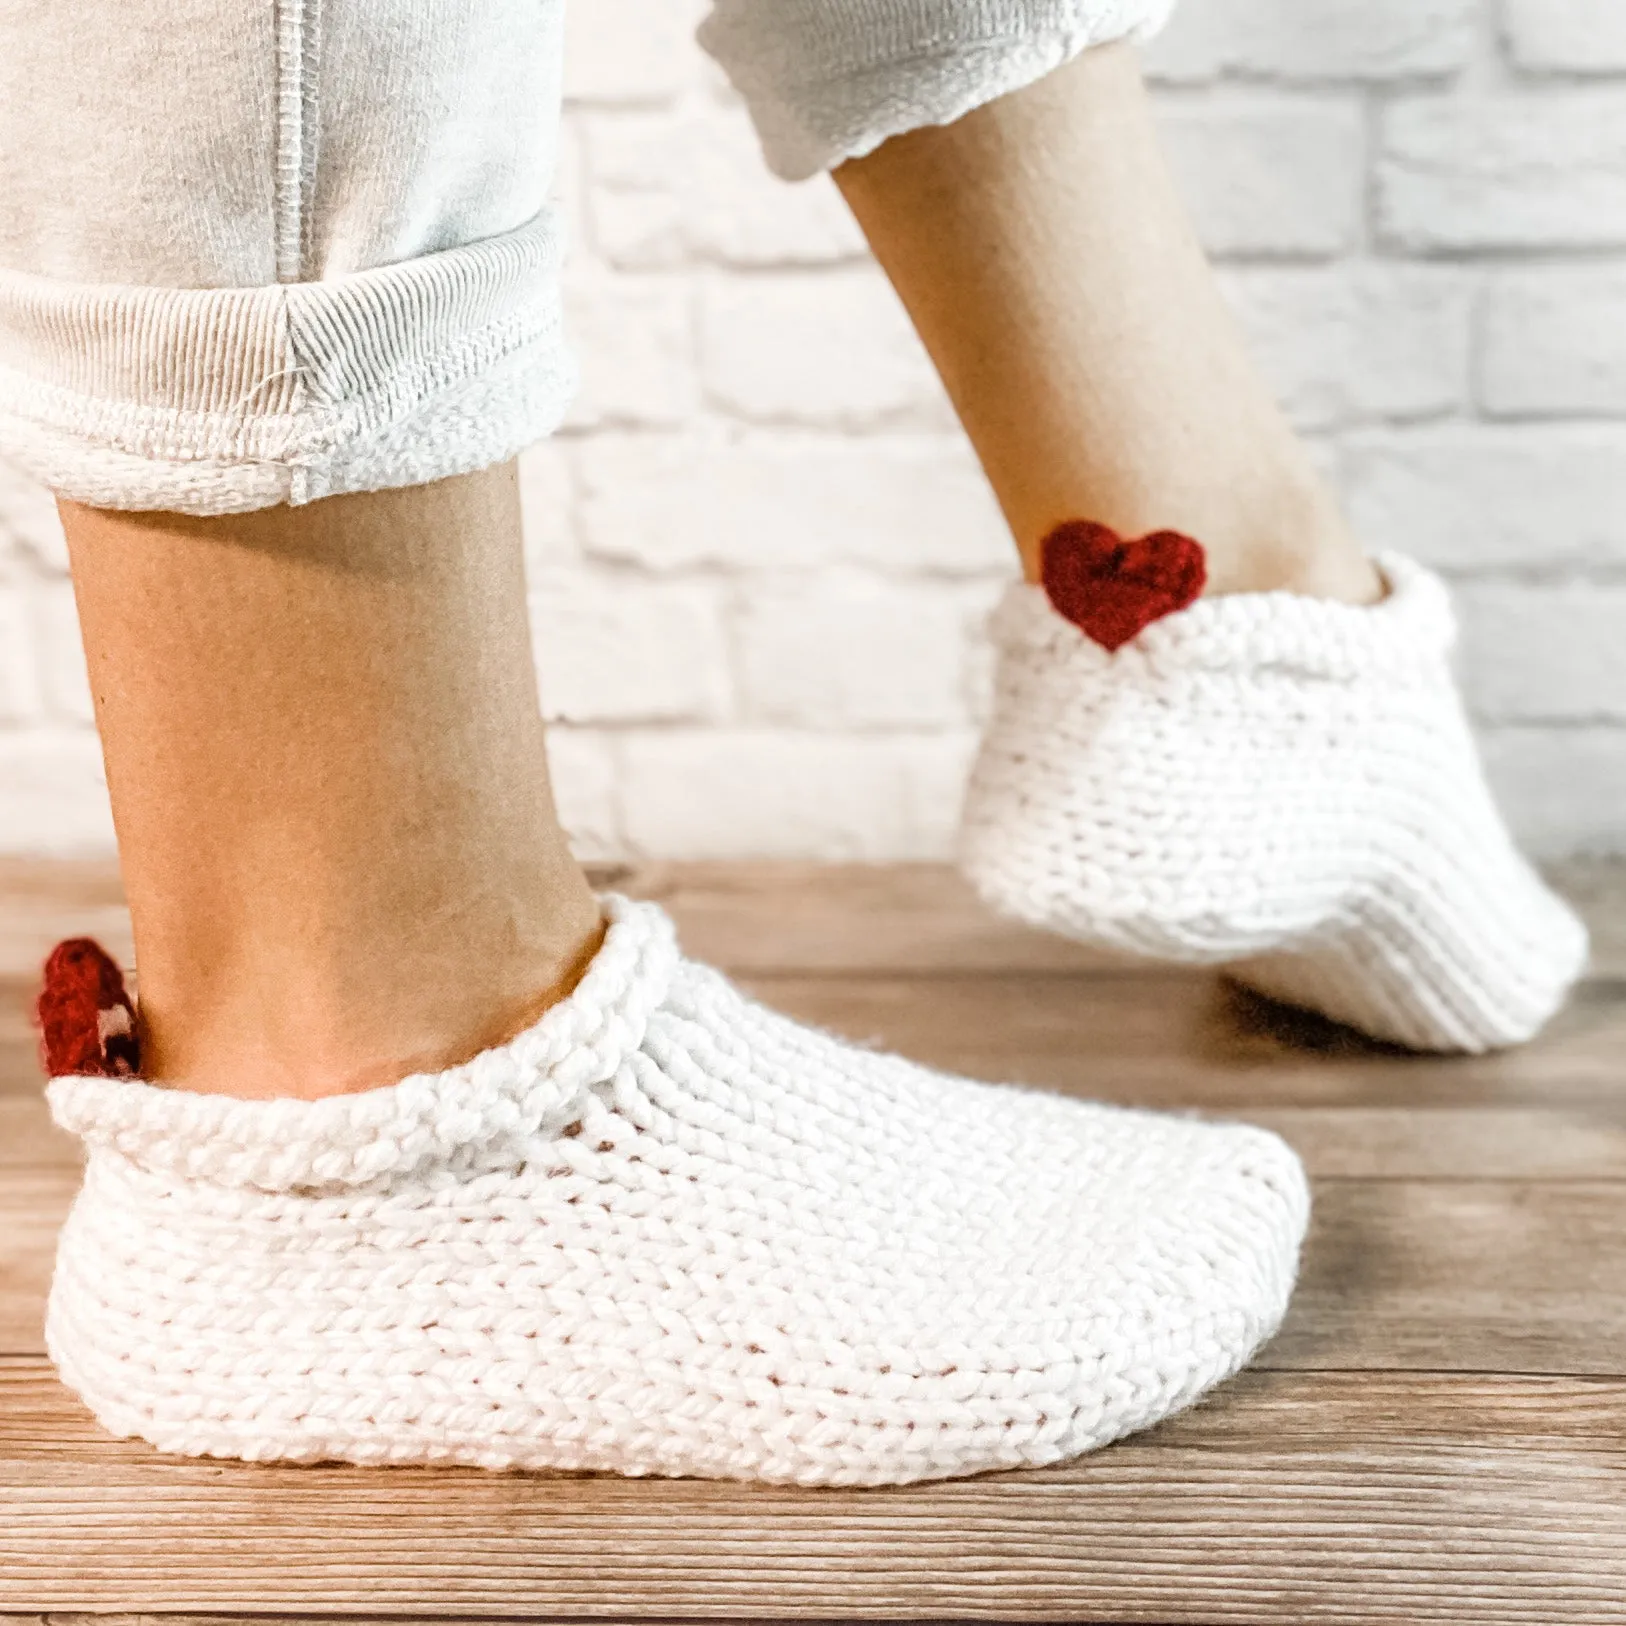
<point x="458" y="1120"/>
<point x="1410" y="628"/>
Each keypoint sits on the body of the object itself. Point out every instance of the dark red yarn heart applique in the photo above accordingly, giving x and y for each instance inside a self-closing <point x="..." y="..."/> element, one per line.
<point x="85" y="1013"/>
<point x="1111" y="588"/>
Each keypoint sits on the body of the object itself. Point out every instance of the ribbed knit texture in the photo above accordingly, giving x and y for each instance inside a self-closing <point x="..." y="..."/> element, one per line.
<point x="1279" y="784"/>
<point x="664" y="1232"/>
<point x="829" y="80"/>
<point x="220" y="400"/>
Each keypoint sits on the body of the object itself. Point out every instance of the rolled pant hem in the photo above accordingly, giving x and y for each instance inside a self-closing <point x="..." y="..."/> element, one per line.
<point x="811" y="123"/>
<point x="210" y="401"/>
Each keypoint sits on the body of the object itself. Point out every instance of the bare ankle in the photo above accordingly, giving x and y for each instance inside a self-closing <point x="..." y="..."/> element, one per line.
<point x="307" y="1028"/>
<point x="1291" y="540"/>
<point x="1344" y="574"/>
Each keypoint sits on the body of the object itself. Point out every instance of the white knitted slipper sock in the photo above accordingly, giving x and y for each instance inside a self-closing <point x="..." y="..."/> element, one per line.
<point x="663" y="1232"/>
<point x="1283" y="785"/>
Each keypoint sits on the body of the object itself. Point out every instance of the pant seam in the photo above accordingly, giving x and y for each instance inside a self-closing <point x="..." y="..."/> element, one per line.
<point x="311" y="134"/>
<point x="298" y="42"/>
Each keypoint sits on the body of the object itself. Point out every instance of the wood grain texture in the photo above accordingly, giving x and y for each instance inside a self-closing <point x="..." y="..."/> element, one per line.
<point x="1598" y="891"/>
<point x="33" y="1204"/>
<point x="29" y="1140"/>
<point x="1179" y="1040"/>
<point x="1461" y="1276"/>
<point x="1328" y="1497"/>
<point x="1437" y="1434"/>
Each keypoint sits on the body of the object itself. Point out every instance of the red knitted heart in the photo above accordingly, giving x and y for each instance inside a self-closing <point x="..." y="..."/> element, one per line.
<point x="1112" y="588"/>
<point x="86" y="1016"/>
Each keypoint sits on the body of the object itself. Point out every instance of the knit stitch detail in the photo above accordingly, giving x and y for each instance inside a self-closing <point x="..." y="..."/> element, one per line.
<point x="666" y="1232"/>
<point x="1413" y="626"/>
<point x="1279" y="784"/>
<point x="533" y="1085"/>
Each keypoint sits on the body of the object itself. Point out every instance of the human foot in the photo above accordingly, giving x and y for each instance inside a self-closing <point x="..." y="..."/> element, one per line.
<point x="1279" y="784"/>
<point x="664" y="1232"/>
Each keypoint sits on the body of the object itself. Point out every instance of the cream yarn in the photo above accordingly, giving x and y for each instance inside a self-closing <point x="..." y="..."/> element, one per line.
<point x="1282" y="785"/>
<point x="665" y="1231"/>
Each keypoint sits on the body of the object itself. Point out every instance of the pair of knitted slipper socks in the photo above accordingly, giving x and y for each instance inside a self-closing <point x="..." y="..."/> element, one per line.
<point x="668" y="1232"/>
<point x="1281" y="785"/>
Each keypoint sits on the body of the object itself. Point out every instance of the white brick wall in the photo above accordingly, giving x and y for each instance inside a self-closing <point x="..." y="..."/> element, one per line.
<point x="1567" y="36"/>
<point x="760" y="550"/>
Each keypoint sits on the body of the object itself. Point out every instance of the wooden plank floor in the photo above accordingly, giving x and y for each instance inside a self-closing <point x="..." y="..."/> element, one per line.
<point x="1438" y="1434"/>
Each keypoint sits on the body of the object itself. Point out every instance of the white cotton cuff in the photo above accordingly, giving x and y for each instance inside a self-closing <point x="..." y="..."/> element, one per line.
<point x="222" y="400"/>
<point x="829" y="80"/>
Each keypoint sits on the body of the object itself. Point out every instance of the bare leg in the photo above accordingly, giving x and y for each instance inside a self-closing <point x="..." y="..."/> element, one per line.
<point x="1234" y="799"/>
<point x="326" y="761"/>
<point x="1046" y="259"/>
